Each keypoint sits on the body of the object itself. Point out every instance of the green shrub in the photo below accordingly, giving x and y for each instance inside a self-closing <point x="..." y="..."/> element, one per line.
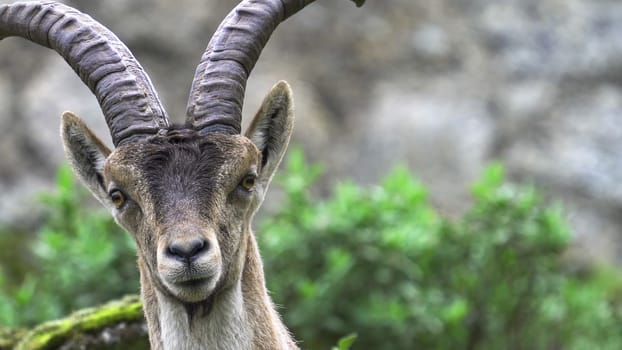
<point x="382" y="263"/>
<point x="80" y="258"/>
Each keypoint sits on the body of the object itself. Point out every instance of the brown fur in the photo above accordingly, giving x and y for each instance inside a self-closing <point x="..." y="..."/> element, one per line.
<point x="180" y="188"/>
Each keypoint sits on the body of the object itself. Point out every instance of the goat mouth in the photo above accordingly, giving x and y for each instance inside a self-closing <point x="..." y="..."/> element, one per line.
<point x="193" y="283"/>
<point x="190" y="283"/>
<point x="192" y="290"/>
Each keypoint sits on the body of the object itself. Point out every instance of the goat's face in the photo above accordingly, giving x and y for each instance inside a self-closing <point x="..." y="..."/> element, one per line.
<point x="186" y="198"/>
<point x="188" y="202"/>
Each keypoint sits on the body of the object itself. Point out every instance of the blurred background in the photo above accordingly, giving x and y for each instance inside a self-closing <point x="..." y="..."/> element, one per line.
<point x="441" y="86"/>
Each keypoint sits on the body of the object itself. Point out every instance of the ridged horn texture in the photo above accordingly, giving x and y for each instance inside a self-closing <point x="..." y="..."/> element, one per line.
<point x="125" y="93"/>
<point x="217" y="92"/>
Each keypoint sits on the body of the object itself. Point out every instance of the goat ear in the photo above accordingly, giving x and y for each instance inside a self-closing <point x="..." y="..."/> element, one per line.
<point x="86" y="153"/>
<point x="271" y="129"/>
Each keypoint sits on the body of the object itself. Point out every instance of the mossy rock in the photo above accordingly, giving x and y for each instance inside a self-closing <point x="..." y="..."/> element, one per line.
<point x="10" y="336"/>
<point x="118" y="324"/>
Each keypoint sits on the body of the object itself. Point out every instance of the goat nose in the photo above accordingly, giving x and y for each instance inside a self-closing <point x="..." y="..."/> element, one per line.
<point x="188" y="250"/>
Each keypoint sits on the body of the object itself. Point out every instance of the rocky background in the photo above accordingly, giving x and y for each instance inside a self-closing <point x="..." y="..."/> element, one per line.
<point x="444" y="86"/>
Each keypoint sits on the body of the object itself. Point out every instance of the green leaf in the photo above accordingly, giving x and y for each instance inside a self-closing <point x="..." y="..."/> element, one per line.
<point x="346" y="342"/>
<point x="492" y="179"/>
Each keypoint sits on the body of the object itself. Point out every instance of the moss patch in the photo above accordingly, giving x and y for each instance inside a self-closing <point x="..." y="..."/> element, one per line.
<point x="10" y="336"/>
<point x="51" y="334"/>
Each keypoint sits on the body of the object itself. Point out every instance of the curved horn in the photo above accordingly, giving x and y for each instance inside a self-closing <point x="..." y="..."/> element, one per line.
<point x="123" y="89"/>
<point x="217" y="92"/>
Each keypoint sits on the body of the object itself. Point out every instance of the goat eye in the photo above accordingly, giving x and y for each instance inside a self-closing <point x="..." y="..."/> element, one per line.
<point x="117" y="197"/>
<point x="248" y="182"/>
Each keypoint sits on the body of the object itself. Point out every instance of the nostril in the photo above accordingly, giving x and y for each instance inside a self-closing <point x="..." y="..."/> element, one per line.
<point x="188" y="249"/>
<point x="198" y="246"/>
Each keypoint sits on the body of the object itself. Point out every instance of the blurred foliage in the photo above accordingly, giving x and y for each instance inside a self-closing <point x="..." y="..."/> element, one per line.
<point x="79" y="258"/>
<point x="377" y="261"/>
<point x="381" y="262"/>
